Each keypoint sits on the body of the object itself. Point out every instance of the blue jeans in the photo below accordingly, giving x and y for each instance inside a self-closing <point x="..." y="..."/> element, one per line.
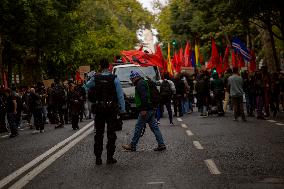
<point x="141" y="123"/>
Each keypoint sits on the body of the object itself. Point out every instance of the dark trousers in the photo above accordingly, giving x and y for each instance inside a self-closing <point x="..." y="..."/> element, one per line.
<point x="169" y="109"/>
<point x="75" y="121"/>
<point x="38" y="119"/>
<point x="219" y="96"/>
<point x="100" y="120"/>
<point x="12" y="120"/>
<point x="238" y="107"/>
<point x="178" y="105"/>
<point x="3" y="127"/>
<point x="59" y="111"/>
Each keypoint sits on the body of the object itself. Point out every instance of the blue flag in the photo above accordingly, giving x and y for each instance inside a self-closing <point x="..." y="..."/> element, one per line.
<point x="192" y="58"/>
<point x="240" y="47"/>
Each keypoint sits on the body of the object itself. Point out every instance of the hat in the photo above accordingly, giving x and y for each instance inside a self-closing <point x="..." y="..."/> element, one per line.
<point x="134" y="74"/>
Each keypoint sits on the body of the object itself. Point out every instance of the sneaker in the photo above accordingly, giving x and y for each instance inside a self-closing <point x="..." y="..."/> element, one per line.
<point x="99" y="161"/>
<point x="158" y="122"/>
<point x="172" y="124"/>
<point x="36" y="132"/>
<point x="111" y="161"/>
<point x="160" y="148"/>
<point x="41" y="131"/>
<point x="129" y="147"/>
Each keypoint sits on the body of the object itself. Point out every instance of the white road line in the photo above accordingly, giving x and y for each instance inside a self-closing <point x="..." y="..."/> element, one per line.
<point x="26" y="167"/>
<point x="179" y="119"/>
<point x="198" y="145"/>
<point x="279" y="124"/>
<point x="212" y="167"/>
<point x="152" y="183"/>
<point x="184" y="126"/>
<point x="189" y="133"/>
<point x="32" y="174"/>
<point x="271" y="121"/>
<point x="4" y="136"/>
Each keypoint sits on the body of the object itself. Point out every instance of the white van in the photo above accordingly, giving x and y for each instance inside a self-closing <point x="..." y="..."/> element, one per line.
<point x="123" y="72"/>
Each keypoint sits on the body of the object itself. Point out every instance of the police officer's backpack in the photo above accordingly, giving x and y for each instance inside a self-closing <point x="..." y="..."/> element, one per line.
<point x="103" y="94"/>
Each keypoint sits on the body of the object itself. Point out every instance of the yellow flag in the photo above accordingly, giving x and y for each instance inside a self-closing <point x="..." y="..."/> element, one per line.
<point x="197" y="62"/>
<point x="169" y="65"/>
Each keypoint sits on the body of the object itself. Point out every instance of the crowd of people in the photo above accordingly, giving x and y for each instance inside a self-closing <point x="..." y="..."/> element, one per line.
<point x="59" y="104"/>
<point x="212" y="93"/>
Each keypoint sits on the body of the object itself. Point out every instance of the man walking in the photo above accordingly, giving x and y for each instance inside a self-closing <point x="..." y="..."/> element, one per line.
<point x="235" y="83"/>
<point x="167" y="90"/>
<point x="105" y="92"/>
<point x="146" y="113"/>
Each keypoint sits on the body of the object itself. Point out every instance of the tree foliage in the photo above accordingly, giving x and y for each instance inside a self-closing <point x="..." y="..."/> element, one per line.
<point x="198" y="20"/>
<point x="57" y="36"/>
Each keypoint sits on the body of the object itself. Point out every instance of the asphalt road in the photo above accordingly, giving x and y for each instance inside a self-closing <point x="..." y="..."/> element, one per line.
<point x="213" y="152"/>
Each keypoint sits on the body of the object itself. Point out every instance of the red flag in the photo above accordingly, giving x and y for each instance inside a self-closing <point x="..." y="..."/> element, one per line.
<point x="178" y="62"/>
<point x="141" y="48"/>
<point x="142" y="58"/>
<point x="78" y="77"/>
<point x="214" y="54"/>
<point x="180" y="57"/>
<point x="252" y="63"/>
<point x="241" y="61"/>
<point x="160" y="55"/>
<point x="175" y="62"/>
<point x="219" y="67"/>
<point x="226" y="58"/>
<point x="209" y="65"/>
<point x="5" y="81"/>
<point x="234" y="60"/>
<point x="187" y="55"/>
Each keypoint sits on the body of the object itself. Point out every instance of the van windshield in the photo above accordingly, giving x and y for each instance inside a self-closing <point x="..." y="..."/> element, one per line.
<point x="124" y="72"/>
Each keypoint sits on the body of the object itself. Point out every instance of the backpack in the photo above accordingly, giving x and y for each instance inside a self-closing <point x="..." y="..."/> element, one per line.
<point x="165" y="90"/>
<point x="59" y="94"/>
<point x="154" y="93"/>
<point x="103" y="94"/>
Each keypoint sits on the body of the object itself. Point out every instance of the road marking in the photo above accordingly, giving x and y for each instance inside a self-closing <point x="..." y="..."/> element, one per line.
<point x="155" y="183"/>
<point x="179" y="119"/>
<point x="26" y="167"/>
<point x="32" y="174"/>
<point x="184" y="126"/>
<point x="198" y="145"/>
<point x="4" y="136"/>
<point x="271" y="121"/>
<point x="189" y="133"/>
<point x="279" y="124"/>
<point x="212" y="167"/>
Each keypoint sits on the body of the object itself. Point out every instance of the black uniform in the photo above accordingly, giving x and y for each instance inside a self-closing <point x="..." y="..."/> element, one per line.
<point x="106" y="110"/>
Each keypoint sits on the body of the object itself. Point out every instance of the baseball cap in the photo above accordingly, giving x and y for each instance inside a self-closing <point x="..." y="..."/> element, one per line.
<point x="134" y="74"/>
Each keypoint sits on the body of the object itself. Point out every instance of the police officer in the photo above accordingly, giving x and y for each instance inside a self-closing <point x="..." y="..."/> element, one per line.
<point x="107" y="97"/>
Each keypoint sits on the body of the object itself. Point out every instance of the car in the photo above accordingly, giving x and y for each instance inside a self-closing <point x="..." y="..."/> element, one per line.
<point x="123" y="71"/>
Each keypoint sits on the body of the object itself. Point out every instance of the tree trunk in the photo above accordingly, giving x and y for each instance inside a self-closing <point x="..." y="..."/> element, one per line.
<point x="1" y="61"/>
<point x="274" y="52"/>
<point x="282" y="21"/>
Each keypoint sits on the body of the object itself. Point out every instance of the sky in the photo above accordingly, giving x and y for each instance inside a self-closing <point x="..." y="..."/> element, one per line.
<point x="148" y="4"/>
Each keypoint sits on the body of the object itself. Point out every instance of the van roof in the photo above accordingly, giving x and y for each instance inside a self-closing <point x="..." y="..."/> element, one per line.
<point x="126" y="65"/>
